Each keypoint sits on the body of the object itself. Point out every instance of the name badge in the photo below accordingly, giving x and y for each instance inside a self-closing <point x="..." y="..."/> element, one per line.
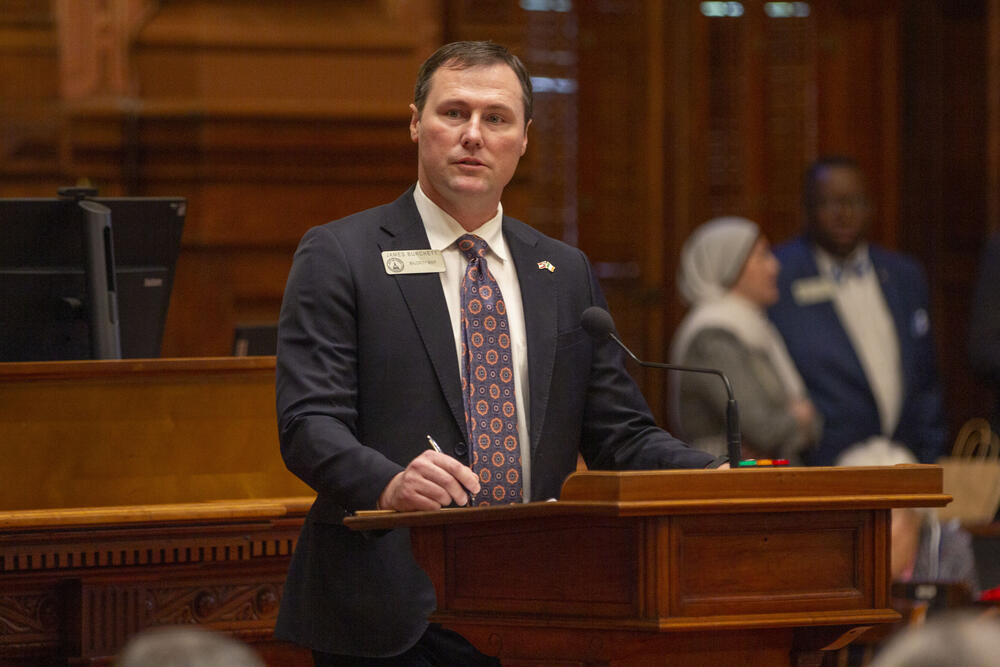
<point x="398" y="262"/>
<point x="807" y="291"/>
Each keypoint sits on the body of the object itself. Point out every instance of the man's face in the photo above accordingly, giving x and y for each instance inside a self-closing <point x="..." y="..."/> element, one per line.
<point x="470" y="136"/>
<point x="841" y="213"/>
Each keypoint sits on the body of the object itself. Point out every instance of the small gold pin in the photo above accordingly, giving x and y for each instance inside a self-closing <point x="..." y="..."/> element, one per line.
<point x="546" y="264"/>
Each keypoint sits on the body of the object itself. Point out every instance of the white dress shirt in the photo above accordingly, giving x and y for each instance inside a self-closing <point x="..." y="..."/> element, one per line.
<point x="443" y="231"/>
<point x="861" y="306"/>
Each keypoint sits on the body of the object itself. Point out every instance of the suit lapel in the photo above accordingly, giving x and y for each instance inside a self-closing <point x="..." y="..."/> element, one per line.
<point x="422" y="292"/>
<point x="539" y="301"/>
<point x="830" y="324"/>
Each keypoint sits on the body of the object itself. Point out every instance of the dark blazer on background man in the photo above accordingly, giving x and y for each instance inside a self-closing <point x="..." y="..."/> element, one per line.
<point x="367" y="368"/>
<point x="826" y="359"/>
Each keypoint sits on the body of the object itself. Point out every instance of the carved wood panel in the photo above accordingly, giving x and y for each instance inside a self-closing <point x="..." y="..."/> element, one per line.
<point x="31" y="620"/>
<point x="81" y="594"/>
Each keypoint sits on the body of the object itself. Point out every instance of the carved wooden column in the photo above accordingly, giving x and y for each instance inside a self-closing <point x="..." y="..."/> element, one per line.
<point x="95" y="39"/>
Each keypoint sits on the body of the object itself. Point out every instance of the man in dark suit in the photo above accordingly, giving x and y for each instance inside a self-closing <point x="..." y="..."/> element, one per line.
<point x="855" y="319"/>
<point x="379" y="347"/>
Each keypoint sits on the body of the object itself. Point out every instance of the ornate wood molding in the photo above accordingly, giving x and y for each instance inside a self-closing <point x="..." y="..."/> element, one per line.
<point x="81" y="592"/>
<point x="76" y="550"/>
<point x="29" y="613"/>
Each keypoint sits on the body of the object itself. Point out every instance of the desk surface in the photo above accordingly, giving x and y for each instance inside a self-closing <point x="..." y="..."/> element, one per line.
<point x="85" y="434"/>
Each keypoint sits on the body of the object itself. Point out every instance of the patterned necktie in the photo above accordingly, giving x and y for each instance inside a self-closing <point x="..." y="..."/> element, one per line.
<point x="488" y="380"/>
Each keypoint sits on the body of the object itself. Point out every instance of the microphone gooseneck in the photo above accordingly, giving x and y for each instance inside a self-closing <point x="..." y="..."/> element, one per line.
<point x="598" y="322"/>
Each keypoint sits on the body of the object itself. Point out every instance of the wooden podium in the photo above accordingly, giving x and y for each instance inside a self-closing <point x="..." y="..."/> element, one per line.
<point x="769" y="566"/>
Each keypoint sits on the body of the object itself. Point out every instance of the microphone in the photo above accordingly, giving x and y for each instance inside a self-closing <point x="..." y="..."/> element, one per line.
<point x="598" y="323"/>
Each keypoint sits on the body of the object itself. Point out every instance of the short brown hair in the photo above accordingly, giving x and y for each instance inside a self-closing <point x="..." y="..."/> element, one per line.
<point x="461" y="55"/>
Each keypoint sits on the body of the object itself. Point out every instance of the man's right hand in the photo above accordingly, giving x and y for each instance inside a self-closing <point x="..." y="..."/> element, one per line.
<point x="430" y="482"/>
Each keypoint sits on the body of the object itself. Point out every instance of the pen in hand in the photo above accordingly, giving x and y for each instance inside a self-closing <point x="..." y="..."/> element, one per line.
<point x="433" y="443"/>
<point x="437" y="448"/>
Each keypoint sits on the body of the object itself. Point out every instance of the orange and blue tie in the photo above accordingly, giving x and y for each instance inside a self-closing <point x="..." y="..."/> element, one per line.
<point x="488" y="380"/>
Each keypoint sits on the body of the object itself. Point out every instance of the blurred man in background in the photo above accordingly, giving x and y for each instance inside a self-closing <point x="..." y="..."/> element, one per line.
<point x="855" y="319"/>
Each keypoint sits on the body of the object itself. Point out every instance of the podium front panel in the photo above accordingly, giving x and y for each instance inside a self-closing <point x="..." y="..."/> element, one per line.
<point x="767" y="563"/>
<point x="547" y="567"/>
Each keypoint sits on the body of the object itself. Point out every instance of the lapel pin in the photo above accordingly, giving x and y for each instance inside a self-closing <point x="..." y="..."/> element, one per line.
<point x="546" y="264"/>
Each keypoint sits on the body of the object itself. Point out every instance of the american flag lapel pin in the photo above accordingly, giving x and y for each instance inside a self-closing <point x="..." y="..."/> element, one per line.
<point x="547" y="265"/>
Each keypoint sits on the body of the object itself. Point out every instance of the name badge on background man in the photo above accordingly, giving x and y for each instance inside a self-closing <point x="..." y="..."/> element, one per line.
<point x="807" y="291"/>
<point x="398" y="262"/>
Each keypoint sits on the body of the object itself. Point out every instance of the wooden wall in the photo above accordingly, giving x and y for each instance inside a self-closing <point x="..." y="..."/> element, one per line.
<point x="945" y="189"/>
<point x="272" y="117"/>
<point x="29" y="97"/>
<point x="269" y="121"/>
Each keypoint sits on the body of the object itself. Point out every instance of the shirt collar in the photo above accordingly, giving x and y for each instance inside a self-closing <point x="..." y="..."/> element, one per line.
<point x="857" y="264"/>
<point x="443" y="230"/>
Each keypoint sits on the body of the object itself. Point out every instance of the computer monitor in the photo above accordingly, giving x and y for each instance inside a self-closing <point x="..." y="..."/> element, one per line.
<point x="44" y="304"/>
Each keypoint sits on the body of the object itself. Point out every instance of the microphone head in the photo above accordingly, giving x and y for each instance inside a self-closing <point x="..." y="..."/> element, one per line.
<point x="597" y="322"/>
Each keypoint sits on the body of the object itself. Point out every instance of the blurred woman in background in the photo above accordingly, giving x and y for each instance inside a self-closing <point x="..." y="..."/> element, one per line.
<point x="728" y="276"/>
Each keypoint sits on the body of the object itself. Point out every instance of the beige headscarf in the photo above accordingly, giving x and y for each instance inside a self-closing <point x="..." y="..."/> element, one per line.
<point x="713" y="257"/>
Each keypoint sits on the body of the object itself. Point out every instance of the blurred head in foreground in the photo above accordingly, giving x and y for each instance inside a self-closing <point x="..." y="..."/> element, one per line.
<point x="959" y="639"/>
<point x="186" y="647"/>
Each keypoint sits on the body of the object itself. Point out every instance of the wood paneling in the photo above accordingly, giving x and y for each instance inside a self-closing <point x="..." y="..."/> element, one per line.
<point x="767" y="95"/>
<point x="29" y="90"/>
<point x="268" y="120"/>
<point x="993" y="102"/>
<point x="272" y="118"/>
<point x="620" y="170"/>
<point x="945" y="177"/>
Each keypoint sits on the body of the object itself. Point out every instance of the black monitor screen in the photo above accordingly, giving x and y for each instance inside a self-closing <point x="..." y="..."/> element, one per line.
<point x="43" y="284"/>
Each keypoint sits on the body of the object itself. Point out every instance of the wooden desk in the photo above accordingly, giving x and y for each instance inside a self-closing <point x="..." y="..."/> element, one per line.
<point x="139" y="493"/>
<point x="743" y="567"/>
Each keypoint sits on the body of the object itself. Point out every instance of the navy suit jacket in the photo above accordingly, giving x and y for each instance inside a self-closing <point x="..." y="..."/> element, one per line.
<point x="826" y="359"/>
<point x="367" y="367"/>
